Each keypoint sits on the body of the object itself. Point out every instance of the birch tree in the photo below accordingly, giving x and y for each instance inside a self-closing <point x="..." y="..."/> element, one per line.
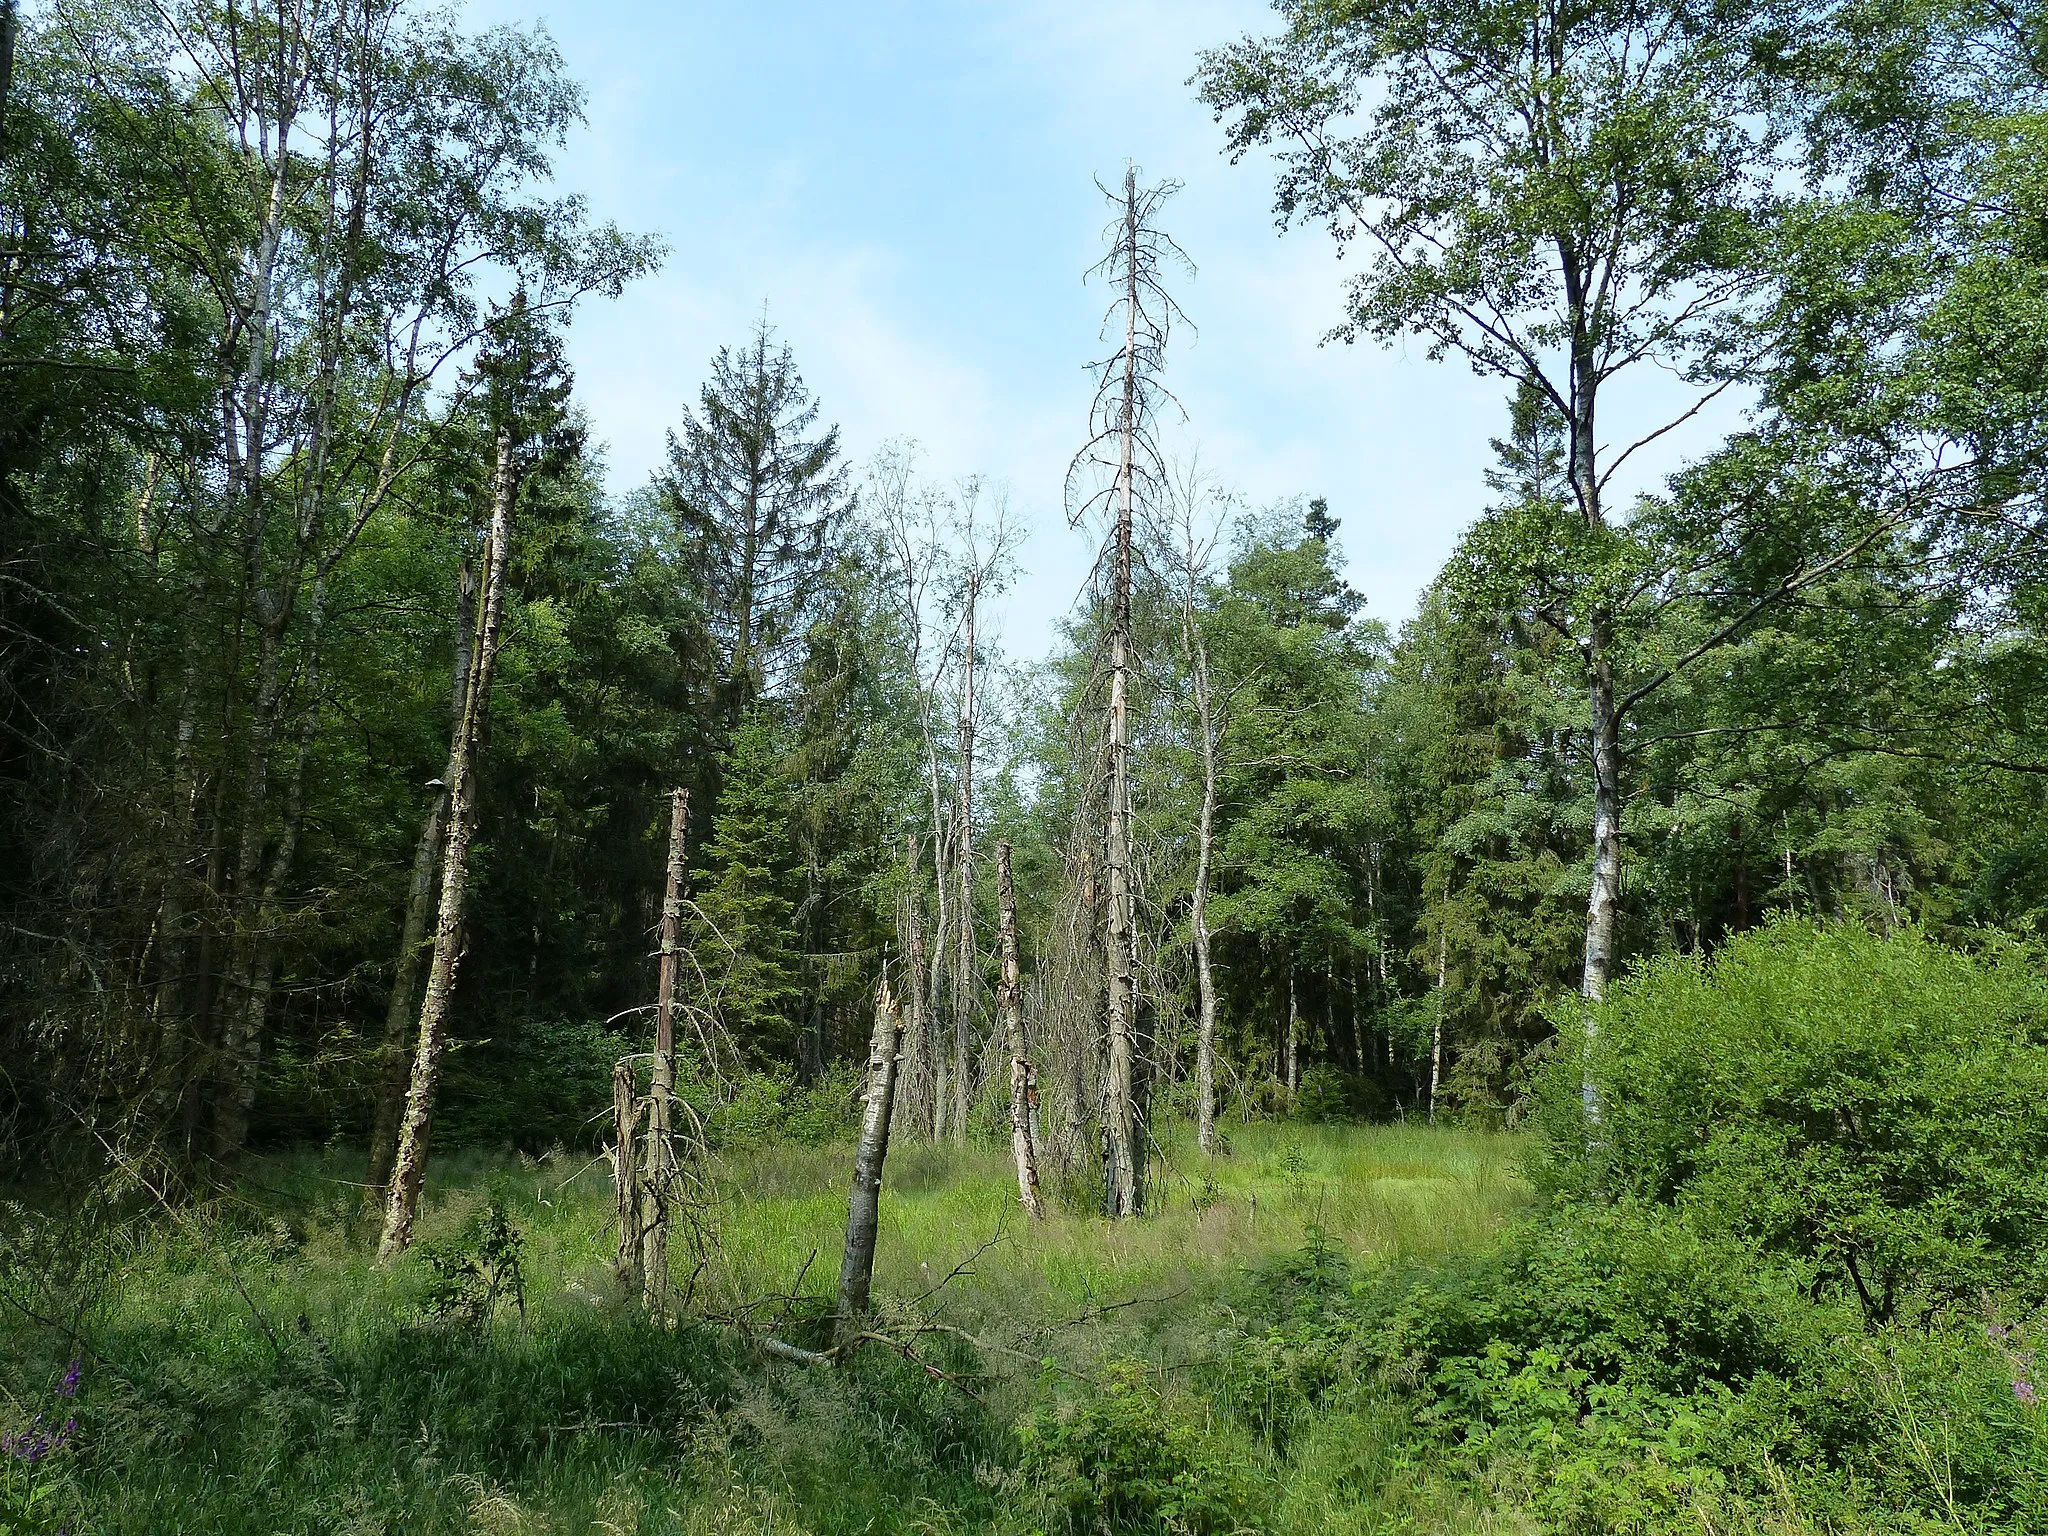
<point x="526" y="407"/>
<point x="864" y="1201"/>
<point x="1192" y="548"/>
<point x="402" y="1011"/>
<point x="1023" y="1073"/>
<point x="1563" y="193"/>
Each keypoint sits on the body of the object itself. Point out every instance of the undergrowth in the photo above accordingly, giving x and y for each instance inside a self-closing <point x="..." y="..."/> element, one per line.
<point x="1784" y="1279"/>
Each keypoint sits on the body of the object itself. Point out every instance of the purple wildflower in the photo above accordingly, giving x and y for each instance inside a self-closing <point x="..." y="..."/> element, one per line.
<point x="69" y="1385"/>
<point x="2024" y="1391"/>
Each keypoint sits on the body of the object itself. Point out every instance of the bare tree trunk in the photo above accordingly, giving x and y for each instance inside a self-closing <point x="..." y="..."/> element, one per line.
<point x="9" y="26"/>
<point x="1023" y="1075"/>
<point x="1293" y="1036"/>
<point x="410" y="1167"/>
<point x="1205" y="842"/>
<point x="1436" y="1033"/>
<point x="924" y="1085"/>
<point x="245" y="893"/>
<point x="1121" y="1130"/>
<point x="626" y="1175"/>
<point x="658" y="1171"/>
<point x="396" y="1063"/>
<point x="1606" y="892"/>
<point x="1205" y="985"/>
<point x="864" y="1203"/>
<point x="963" y="857"/>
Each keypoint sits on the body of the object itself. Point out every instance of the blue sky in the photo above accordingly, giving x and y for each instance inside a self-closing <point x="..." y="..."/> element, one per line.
<point x="909" y="189"/>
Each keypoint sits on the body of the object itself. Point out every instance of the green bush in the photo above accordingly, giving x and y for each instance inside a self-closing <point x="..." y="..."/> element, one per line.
<point x="1127" y="1459"/>
<point x="1872" y="1111"/>
<point x="531" y="1084"/>
<point x="1774" y="1283"/>
<point x="772" y="1106"/>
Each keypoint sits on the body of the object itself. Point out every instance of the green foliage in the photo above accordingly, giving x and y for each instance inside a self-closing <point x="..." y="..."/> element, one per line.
<point x="476" y="1268"/>
<point x="743" y="935"/>
<point x="1126" y="1458"/>
<point x="531" y="1084"/>
<point x="771" y="1107"/>
<point x="1864" y="1109"/>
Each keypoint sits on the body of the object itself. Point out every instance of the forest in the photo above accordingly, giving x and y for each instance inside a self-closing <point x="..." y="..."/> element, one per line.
<point x="478" y="939"/>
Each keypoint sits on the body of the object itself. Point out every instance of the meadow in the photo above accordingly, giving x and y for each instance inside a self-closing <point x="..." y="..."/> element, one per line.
<point x="246" y="1367"/>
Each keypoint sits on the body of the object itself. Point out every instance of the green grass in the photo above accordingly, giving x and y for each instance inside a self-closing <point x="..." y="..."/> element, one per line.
<point x="253" y="1371"/>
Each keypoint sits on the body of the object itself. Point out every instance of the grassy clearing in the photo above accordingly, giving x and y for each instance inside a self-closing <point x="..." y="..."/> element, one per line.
<point x="253" y="1371"/>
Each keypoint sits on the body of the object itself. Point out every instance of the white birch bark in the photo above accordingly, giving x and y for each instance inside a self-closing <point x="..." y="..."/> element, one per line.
<point x="1023" y="1075"/>
<point x="864" y="1201"/>
<point x="410" y="1167"/>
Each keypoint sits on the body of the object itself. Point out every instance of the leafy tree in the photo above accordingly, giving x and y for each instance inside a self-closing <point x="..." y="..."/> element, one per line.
<point x="1560" y="193"/>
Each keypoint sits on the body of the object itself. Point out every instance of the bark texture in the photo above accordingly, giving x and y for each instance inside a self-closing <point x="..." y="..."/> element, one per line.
<point x="1121" y="1146"/>
<point x="396" y="1064"/>
<point x="658" y="1165"/>
<point x="1436" y="1030"/>
<point x="864" y="1203"/>
<point x="924" y="1060"/>
<point x="963" y="857"/>
<point x="1023" y="1075"/>
<point x="626" y="1175"/>
<point x="409" y="1169"/>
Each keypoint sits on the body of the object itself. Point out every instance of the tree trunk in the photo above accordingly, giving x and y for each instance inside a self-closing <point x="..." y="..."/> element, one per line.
<point x="626" y="1175"/>
<point x="963" y="857"/>
<point x="245" y="894"/>
<point x="1023" y="1076"/>
<point x="917" y="1025"/>
<point x="1293" y="1036"/>
<point x="1205" y="841"/>
<point x="1436" y="1032"/>
<point x="10" y="26"/>
<point x="1121" y="1131"/>
<point x="658" y="1169"/>
<point x="864" y="1203"/>
<point x="396" y="1062"/>
<point x="1606" y="892"/>
<point x="410" y="1167"/>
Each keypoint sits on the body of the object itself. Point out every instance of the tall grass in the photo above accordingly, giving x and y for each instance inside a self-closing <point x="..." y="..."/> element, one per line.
<point x="250" y="1370"/>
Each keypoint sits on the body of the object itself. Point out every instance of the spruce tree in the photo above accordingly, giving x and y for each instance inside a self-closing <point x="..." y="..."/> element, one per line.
<point x="760" y="498"/>
<point x="746" y="938"/>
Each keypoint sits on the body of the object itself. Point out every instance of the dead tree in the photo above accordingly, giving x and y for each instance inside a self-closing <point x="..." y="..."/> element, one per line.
<point x="395" y="1063"/>
<point x="963" y="862"/>
<point x="1023" y="1076"/>
<point x="1293" y="1064"/>
<point x="1192" y="549"/>
<point x="1123" y="451"/>
<point x="626" y="1174"/>
<point x="923" y="1084"/>
<point x="1436" y="1028"/>
<point x="409" y="1167"/>
<point x="864" y="1203"/>
<point x="658" y="1167"/>
<point x="526" y="403"/>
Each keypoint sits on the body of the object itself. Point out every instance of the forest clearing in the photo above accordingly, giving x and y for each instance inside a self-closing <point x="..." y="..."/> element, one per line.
<point x="854" y="817"/>
<point x="561" y="1410"/>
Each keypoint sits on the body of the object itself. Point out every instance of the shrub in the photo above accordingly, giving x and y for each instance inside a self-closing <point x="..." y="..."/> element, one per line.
<point x="1127" y="1459"/>
<point x="772" y="1106"/>
<point x="1874" y="1111"/>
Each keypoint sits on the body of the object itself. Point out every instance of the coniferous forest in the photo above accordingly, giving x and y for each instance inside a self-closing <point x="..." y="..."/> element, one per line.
<point x="479" y="938"/>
